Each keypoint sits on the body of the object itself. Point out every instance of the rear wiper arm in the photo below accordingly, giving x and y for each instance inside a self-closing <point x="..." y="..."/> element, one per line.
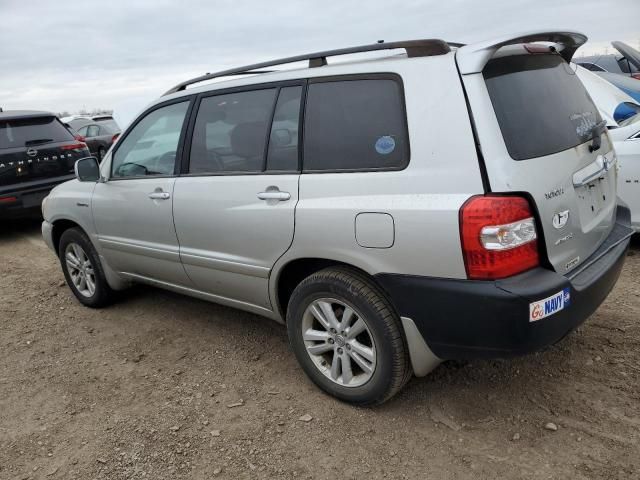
<point x="39" y="141"/>
<point x="597" y="130"/>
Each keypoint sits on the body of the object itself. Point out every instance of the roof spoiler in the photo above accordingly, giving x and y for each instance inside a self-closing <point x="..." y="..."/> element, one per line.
<point x="473" y="58"/>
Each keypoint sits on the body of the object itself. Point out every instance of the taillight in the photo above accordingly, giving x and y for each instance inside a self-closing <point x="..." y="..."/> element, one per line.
<point x="498" y="235"/>
<point x="74" y="146"/>
<point x="79" y="138"/>
<point x="115" y="137"/>
<point x="636" y="76"/>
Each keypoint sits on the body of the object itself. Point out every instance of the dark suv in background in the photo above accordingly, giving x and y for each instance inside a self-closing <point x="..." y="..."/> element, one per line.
<point x="37" y="152"/>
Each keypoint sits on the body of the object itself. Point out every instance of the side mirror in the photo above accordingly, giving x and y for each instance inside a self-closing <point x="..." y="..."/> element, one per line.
<point x="87" y="169"/>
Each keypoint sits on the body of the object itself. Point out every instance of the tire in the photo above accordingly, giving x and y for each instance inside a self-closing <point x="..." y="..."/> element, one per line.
<point x="75" y="242"/>
<point x="356" y="379"/>
<point x="100" y="154"/>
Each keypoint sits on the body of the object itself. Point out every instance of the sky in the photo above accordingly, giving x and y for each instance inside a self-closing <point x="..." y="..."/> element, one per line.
<point x="67" y="55"/>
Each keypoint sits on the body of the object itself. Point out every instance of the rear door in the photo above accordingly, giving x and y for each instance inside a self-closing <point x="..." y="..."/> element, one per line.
<point x="234" y="206"/>
<point x="535" y="124"/>
<point x="91" y="138"/>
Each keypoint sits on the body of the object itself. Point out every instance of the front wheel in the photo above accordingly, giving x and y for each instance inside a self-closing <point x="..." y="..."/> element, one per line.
<point x="347" y="337"/>
<point x="82" y="269"/>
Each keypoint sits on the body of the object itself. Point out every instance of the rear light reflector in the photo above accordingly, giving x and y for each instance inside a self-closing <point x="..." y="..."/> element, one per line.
<point x="8" y="199"/>
<point x="499" y="237"/>
<point x="74" y="146"/>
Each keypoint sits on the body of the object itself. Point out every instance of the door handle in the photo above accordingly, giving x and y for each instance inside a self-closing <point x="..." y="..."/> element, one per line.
<point x="159" y="195"/>
<point x="593" y="171"/>
<point x="274" y="195"/>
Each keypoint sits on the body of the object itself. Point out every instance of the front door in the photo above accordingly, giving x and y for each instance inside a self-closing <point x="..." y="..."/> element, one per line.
<point x="234" y="208"/>
<point x="133" y="208"/>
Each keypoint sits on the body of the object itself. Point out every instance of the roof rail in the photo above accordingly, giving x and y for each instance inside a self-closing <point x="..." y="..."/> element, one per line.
<point x="414" y="48"/>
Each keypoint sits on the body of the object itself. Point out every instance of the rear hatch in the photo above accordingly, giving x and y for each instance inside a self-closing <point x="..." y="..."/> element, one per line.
<point x="36" y="148"/>
<point x="630" y="63"/>
<point x="539" y="131"/>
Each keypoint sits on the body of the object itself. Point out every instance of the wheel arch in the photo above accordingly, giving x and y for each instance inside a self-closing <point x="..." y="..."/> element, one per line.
<point x="59" y="227"/>
<point x="291" y="273"/>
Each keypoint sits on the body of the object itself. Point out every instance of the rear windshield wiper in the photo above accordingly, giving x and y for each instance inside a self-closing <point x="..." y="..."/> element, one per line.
<point x="597" y="130"/>
<point x="39" y="141"/>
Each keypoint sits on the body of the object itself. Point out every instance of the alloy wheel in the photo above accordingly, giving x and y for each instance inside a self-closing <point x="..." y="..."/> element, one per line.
<point x="339" y="342"/>
<point x="80" y="269"/>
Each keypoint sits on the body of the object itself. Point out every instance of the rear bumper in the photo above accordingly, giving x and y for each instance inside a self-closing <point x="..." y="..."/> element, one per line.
<point x="466" y="319"/>
<point x="25" y="199"/>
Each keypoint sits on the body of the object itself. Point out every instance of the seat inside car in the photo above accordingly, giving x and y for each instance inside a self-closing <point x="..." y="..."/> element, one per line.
<point x="247" y="141"/>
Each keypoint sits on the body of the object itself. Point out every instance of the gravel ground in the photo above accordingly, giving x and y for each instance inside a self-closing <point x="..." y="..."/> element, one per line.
<point x="161" y="386"/>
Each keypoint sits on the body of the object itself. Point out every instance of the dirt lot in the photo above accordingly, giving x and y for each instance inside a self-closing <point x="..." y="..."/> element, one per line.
<point x="147" y="388"/>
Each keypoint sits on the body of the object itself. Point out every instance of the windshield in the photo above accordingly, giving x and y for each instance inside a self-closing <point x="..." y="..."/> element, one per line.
<point x="30" y="132"/>
<point x="541" y="105"/>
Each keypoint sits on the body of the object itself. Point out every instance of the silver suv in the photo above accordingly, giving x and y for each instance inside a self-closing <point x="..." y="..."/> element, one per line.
<point x="448" y="202"/>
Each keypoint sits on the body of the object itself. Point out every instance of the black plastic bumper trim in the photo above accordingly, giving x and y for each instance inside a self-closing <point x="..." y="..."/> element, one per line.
<point x="465" y="319"/>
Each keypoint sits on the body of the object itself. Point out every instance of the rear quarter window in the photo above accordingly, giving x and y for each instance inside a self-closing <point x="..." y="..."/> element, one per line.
<point x="540" y="104"/>
<point x="355" y="125"/>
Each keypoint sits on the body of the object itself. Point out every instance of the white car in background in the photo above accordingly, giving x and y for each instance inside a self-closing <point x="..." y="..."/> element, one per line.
<point x="624" y="133"/>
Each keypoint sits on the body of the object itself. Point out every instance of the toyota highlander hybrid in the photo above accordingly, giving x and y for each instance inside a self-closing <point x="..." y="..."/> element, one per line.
<point x="447" y="202"/>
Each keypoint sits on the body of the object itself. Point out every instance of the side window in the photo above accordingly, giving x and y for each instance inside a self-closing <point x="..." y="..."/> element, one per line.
<point x="150" y="148"/>
<point x="93" y="131"/>
<point x="230" y="132"/>
<point x="355" y="125"/>
<point x="283" y="140"/>
<point x="83" y="131"/>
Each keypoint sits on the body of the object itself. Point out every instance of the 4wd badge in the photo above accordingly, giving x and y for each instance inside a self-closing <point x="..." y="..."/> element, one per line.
<point x="560" y="219"/>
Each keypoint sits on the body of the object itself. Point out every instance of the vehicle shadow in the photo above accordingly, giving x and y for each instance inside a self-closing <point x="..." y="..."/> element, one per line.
<point x="10" y="230"/>
<point x="203" y="323"/>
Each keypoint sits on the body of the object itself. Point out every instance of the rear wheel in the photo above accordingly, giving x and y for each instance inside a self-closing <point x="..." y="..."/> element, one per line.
<point x="347" y="337"/>
<point x="82" y="269"/>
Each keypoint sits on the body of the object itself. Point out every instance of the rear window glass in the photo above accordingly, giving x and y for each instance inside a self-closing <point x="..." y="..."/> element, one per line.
<point x="30" y="132"/>
<point x="355" y="125"/>
<point x="541" y="105"/>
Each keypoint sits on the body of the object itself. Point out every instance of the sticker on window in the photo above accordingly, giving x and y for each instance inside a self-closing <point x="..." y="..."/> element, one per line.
<point x="550" y="305"/>
<point x="385" y="145"/>
<point x="584" y="123"/>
